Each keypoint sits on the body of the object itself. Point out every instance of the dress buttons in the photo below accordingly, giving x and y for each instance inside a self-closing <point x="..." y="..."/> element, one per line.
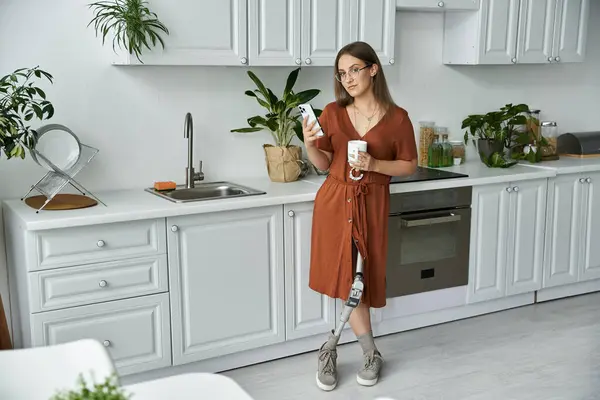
<point x="350" y="220"/>
<point x="349" y="199"/>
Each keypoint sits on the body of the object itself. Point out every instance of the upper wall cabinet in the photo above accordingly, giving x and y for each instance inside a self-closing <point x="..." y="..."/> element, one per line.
<point x="268" y="32"/>
<point x="436" y="5"/>
<point x="517" y="31"/>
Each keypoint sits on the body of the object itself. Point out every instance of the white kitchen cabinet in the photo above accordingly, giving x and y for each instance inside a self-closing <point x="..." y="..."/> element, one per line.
<point x="517" y="31"/>
<point x="436" y="5"/>
<point x="572" y="251"/>
<point x="226" y="281"/>
<point x="376" y="25"/>
<point x="268" y="32"/>
<point x="274" y="32"/>
<point x="507" y="239"/>
<point x="307" y="312"/>
<point x="201" y="32"/>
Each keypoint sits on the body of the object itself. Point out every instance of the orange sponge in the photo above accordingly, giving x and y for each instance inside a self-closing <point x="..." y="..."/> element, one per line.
<point x="168" y="185"/>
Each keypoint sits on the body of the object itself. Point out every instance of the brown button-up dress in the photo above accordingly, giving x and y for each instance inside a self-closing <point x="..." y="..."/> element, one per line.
<point x="347" y="211"/>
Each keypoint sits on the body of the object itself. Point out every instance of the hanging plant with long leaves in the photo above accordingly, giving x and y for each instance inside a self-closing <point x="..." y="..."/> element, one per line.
<point x="132" y="23"/>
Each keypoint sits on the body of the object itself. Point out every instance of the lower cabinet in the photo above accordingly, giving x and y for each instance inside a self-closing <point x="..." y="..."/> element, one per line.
<point x="572" y="251"/>
<point x="507" y="239"/>
<point x="226" y="280"/>
<point x="307" y="312"/>
<point x="135" y="331"/>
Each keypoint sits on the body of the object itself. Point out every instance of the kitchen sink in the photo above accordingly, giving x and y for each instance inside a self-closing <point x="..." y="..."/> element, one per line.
<point x="206" y="191"/>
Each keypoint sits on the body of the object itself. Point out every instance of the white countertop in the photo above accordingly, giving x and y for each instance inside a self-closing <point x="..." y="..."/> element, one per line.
<point x="136" y="204"/>
<point x="570" y="165"/>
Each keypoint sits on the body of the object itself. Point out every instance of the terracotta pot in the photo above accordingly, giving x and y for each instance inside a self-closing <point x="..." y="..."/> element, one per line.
<point x="284" y="164"/>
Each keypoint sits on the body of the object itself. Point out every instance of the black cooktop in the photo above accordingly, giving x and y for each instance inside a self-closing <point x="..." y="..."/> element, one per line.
<point x="427" y="174"/>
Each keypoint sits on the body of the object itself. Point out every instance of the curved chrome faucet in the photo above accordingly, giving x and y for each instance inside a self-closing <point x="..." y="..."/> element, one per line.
<point x="188" y="132"/>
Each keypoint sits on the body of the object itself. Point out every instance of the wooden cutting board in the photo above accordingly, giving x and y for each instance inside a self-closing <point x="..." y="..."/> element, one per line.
<point x="61" y="201"/>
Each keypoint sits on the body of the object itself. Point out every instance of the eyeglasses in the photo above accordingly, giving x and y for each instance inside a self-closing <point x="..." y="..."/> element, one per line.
<point x="340" y="77"/>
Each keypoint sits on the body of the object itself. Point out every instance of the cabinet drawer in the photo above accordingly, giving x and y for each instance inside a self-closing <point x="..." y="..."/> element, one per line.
<point x="77" y="286"/>
<point x="437" y="5"/>
<point x="134" y="331"/>
<point x="95" y="243"/>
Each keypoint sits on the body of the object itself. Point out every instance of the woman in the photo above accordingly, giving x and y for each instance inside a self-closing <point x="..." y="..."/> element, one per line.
<point x="351" y="216"/>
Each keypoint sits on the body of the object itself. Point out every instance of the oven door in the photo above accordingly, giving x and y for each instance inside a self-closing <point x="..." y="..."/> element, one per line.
<point x="428" y="251"/>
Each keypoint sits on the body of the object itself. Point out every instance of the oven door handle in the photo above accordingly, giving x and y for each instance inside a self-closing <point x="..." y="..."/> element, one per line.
<point x="409" y="223"/>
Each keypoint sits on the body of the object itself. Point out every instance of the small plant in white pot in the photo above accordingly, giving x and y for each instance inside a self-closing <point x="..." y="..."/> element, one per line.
<point x="284" y="122"/>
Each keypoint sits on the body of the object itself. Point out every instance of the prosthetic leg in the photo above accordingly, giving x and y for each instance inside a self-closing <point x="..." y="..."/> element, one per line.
<point x="354" y="297"/>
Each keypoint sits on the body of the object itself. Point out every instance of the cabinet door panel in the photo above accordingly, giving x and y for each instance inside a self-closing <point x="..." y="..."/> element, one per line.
<point x="274" y="32"/>
<point x="201" y="32"/>
<point x="562" y="237"/>
<point x="571" y="30"/>
<point x="325" y="30"/>
<point x="528" y="220"/>
<point x="499" y="27"/>
<point x="590" y="263"/>
<point x="536" y="32"/>
<point x="226" y="280"/>
<point x="489" y="235"/>
<point x="376" y="26"/>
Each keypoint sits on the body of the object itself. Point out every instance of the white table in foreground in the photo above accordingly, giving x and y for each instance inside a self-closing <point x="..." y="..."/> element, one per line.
<point x="188" y="386"/>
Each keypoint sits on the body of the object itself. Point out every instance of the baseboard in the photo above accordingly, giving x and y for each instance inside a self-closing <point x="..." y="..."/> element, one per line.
<point x="574" y="289"/>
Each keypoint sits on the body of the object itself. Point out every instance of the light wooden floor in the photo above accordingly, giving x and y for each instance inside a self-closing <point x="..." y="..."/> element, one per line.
<point x="548" y="351"/>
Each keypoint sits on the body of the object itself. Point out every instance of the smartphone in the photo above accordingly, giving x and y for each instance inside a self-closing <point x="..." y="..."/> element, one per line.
<point x="306" y="110"/>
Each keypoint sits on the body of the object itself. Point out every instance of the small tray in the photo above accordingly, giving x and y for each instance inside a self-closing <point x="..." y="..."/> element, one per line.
<point x="62" y="201"/>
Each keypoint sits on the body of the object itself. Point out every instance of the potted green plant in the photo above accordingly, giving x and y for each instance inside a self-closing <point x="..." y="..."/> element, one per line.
<point x="131" y="22"/>
<point x="284" y="122"/>
<point x="495" y="132"/>
<point x="109" y="389"/>
<point x="20" y="102"/>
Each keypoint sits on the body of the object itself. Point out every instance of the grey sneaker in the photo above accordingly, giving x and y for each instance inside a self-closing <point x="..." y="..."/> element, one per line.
<point x="369" y="373"/>
<point x="327" y="370"/>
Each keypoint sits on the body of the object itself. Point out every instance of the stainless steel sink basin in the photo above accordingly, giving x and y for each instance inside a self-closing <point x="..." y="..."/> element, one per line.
<point x="206" y="191"/>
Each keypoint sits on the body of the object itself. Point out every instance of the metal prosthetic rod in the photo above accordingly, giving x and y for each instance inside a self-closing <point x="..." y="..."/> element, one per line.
<point x="356" y="292"/>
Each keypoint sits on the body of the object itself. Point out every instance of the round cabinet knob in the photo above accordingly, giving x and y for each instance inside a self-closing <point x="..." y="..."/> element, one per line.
<point x="174" y="228"/>
<point x="100" y="243"/>
<point x="509" y="189"/>
<point x="106" y="343"/>
<point x="581" y="180"/>
<point x="516" y="189"/>
<point x="392" y="61"/>
<point x="514" y="60"/>
<point x="557" y="59"/>
<point x="102" y="283"/>
<point x="441" y="4"/>
<point x="550" y="59"/>
<point x="244" y="60"/>
<point x="588" y="180"/>
<point x="298" y="61"/>
<point x="291" y="213"/>
<point x="308" y="61"/>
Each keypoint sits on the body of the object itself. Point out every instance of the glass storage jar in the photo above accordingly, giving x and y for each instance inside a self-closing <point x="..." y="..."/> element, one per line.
<point x="533" y="123"/>
<point x="434" y="153"/>
<point x="426" y="133"/>
<point x="458" y="152"/>
<point x="447" y="158"/>
<point x="549" y="131"/>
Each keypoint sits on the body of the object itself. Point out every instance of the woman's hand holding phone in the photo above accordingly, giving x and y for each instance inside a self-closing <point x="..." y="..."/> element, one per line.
<point x="309" y="131"/>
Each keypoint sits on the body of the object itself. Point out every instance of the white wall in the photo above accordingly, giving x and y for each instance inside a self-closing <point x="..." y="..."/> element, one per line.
<point x="134" y="115"/>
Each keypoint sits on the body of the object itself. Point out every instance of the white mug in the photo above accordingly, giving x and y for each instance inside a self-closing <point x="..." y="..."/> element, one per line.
<point x="354" y="146"/>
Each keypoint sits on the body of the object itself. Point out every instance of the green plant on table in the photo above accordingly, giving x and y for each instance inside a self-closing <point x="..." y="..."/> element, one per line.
<point x="107" y="390"/>
<point x="20" y="102"/>
<point x="132" y="23"/>
<point x="282" y="119"/>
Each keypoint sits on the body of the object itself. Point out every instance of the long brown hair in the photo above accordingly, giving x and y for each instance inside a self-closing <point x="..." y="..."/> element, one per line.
<point x="364" y="52"/>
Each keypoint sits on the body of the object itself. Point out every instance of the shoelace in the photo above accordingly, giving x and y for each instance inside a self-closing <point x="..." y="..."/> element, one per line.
<point x="326" y="357"/>
<point x="372" y="360"/>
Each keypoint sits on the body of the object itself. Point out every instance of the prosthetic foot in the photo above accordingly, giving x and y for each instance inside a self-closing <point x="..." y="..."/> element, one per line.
<point x="327" y="369"/>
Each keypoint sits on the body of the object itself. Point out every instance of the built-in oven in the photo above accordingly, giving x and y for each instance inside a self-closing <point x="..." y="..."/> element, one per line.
<point x="428" y="240"/>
